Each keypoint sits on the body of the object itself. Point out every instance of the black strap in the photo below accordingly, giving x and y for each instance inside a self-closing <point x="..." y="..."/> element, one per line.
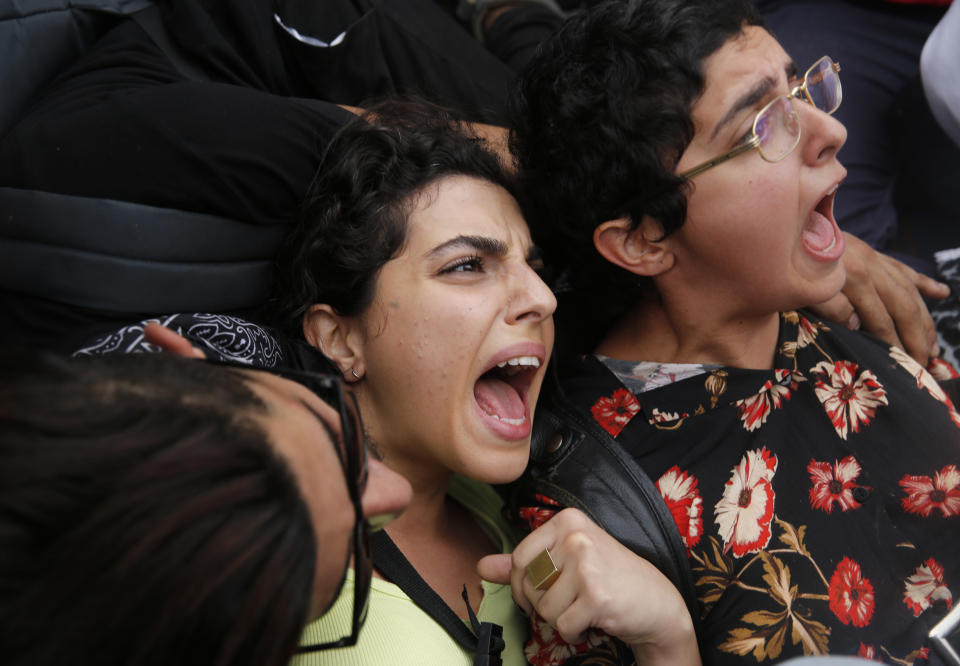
<point x="487" y="643"/>
<point x="151" y="21"/>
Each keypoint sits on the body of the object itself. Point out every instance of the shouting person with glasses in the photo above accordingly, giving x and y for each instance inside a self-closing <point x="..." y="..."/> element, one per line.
<point x="681" y="173"/>
<point x="155" y="510"/>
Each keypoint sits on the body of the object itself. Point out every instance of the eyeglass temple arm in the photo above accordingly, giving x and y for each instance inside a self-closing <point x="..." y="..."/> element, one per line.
<point x="750" y="144"/>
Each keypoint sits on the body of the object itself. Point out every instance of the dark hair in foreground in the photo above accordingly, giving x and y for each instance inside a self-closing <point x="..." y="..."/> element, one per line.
<point x="144" y="517"/>
<point x="354" y="218"/>
<point x="602" y="115"/>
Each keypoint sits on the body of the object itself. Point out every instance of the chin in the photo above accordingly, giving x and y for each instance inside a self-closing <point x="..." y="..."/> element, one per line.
<point x="496" y="467"/>
<point x="832" y="285"/>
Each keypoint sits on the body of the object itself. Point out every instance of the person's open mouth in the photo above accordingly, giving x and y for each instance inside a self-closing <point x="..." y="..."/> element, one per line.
<point x="501" y="392"/>
<point x="822" y="237"/>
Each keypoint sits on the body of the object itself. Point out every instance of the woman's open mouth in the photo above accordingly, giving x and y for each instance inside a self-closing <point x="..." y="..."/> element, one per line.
<point x="822" y="237"/>
<point x="501" y="395"/>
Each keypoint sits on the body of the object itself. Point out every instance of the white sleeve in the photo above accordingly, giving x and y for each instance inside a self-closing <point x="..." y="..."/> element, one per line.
<point x="940" y="70"/>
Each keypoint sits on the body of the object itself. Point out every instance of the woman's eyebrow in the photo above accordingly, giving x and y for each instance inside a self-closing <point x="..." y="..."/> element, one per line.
<point x="745" y="101"/>
<point x="750" y="98"/>
<point x="480" y="244"/>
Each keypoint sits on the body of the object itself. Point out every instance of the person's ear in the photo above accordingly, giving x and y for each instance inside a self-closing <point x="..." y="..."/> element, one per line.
<point x="639" y="249"/>
<point x="337" y="337"/>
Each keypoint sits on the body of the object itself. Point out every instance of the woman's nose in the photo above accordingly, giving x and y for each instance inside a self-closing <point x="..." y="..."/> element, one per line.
<point x="823" y="135"/>
<point x="532" y="298"/>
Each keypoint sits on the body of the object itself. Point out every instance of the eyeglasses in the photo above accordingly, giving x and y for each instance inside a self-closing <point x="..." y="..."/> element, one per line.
<point x="353" y="457"/>
<point x="776" y="128"/>
<point x="352" y="452"/>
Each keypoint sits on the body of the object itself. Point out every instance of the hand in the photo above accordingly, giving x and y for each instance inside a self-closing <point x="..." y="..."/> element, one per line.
<point x="603" y="585"/>
<point x="170" y="341"/>
<point x="885" y="296"/>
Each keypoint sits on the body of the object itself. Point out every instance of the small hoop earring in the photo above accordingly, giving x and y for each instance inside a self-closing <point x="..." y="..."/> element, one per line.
<point x="354" y="373"/>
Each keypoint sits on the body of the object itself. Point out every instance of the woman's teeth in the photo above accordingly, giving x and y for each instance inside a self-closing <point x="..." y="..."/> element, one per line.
<point x="519" y="364"/>
<point x="504" y="419"/>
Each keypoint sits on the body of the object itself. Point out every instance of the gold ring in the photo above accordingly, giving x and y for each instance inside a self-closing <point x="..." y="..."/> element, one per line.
<point x="542" y="571"/>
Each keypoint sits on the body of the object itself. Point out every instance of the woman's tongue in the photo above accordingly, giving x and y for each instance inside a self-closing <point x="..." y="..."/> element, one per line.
<point x="498" y="398"/>
<point x="821" y="236"/>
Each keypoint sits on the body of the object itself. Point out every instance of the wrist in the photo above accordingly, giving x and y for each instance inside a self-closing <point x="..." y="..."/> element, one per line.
<point x="675" y="644"/>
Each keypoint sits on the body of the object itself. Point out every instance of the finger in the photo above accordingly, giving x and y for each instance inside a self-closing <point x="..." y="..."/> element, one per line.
<point x="872" y="311"/>
<point x="552" y="602"/>
<point x="839" y="309"/>
<point x="170" y="341"/>
<point x="536" y="542"/>
<point x="929" y="287"/>
<point x="575" y="621"/>
<point x="495" y="568"/>
<point x="915" y="327"/>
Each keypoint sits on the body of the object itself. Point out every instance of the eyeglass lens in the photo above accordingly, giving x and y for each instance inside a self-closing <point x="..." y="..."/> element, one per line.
<point x="778" y="125"/>
<point x="778" y="128"/>
<point x="822" y="84"/>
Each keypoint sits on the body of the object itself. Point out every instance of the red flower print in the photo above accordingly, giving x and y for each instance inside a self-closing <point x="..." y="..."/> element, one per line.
<point x="615" y="412"/>
<point x="547" y="648"/>
<point x="924" y="495"/>
<point x="833" y="484"/>
<point x="868" y="652"/>
<point x="941" y="370"/>
<point x="679" y="491"/>
<point x="543" y="499"/>
<point x="745" y="510"/>
<point x="753" y="411"/>
<point x="850" y="399"/>
<point x="925" y="380"/>
<point x="806" y="332"/>
<point x="535" y="516"/>
<point x="851" y="595"/>
<point x="926" y="586"/>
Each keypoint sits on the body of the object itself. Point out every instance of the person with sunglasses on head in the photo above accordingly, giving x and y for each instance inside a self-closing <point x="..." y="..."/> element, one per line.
<point x="681" y="172"/>
<point x="157" y="510"/>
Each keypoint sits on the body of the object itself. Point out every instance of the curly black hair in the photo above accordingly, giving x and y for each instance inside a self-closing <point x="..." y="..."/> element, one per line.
<point x="600" y="118"/>
<point x="354" y="218"/>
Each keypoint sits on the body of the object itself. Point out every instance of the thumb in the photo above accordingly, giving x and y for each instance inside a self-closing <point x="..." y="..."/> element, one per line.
<point x="495" y="568"/>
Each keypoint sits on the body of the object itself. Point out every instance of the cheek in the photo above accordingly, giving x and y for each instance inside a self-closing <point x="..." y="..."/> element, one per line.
<point x="754" y="213"/>
<point x="334" y="551"/>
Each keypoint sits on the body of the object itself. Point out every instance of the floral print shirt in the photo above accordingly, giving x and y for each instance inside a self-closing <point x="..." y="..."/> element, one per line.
<point x="819" y="501"/>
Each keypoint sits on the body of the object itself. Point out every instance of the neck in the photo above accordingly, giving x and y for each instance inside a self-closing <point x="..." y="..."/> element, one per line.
<point x="653" y="330"/>
<point x="428" y="508"/>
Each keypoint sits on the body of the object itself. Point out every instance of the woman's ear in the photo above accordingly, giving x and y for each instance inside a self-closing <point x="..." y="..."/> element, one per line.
<point x="638" y="249"/>
<point x="336" y="336"/>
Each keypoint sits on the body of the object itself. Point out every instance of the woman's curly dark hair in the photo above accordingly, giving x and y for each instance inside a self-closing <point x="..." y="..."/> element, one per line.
<point x="600" y="118"/>
<point x="354" y="219"/>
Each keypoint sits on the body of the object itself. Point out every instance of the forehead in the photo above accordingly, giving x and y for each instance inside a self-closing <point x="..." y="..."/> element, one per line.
<point x="464" y="205"/>
<point x="295" y="416"/>
<point x="741" y="65"/>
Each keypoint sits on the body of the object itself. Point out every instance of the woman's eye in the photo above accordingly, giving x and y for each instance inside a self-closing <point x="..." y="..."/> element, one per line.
<point x="763" y="127"/>
<point x="465" y="265"/>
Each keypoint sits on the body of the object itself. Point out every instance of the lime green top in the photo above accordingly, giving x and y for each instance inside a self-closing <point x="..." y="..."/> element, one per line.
<point x="398" y="632"/>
